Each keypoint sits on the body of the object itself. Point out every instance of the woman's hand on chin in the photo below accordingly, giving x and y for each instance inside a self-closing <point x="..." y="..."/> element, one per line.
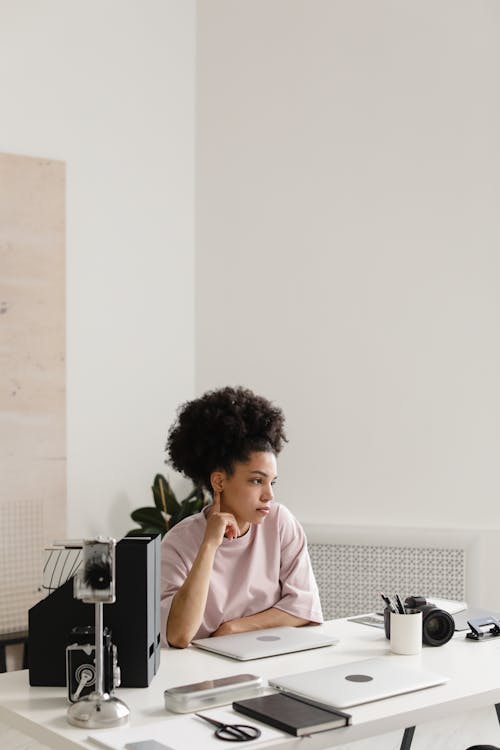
<point x="219" y="524"/>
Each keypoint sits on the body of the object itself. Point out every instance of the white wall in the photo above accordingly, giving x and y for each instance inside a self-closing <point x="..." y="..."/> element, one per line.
<point x="348" y="184"/>
<point x="108" y="87"/>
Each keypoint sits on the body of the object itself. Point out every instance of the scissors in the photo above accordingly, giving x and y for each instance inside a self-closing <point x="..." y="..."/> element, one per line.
<point x="233" y="732"/>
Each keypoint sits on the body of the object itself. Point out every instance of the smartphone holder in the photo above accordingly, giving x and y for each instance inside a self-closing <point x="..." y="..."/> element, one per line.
<point x="95" y="584"/>
<point x="477" y="634"/>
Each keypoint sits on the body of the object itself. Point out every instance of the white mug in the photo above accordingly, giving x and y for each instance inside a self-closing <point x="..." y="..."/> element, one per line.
<point x="406" y="633"/>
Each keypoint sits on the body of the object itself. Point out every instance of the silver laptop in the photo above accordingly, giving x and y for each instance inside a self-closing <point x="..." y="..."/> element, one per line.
<point x="269" y="642"/>
<point x="356" y="682"/>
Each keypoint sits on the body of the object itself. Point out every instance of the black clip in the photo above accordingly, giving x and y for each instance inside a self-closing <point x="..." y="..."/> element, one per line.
<point x="477" y="634"/>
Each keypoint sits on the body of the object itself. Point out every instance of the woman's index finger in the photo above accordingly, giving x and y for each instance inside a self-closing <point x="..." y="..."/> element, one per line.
<point x="216" y="502"/>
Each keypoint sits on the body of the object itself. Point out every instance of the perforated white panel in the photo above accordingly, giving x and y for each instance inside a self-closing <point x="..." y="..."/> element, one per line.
<point x="21" y="558"/>
<point x="350" y="577"/>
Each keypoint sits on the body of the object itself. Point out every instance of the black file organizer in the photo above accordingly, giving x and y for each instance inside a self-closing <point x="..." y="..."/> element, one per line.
<point x="134" y="619"/>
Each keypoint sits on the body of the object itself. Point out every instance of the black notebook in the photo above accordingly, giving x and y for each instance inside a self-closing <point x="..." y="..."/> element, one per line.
<point x="291" y="715"/>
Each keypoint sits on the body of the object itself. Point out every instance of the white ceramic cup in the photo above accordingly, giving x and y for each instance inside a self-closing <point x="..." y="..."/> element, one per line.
<point x="406" y="633"/>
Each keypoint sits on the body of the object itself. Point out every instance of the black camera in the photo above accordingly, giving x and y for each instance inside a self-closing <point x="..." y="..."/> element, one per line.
<point x="438" y="625"/>
<point x="80" y="663"/>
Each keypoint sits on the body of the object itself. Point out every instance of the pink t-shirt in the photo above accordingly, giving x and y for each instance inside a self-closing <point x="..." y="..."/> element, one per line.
<point x="267" y="567"/>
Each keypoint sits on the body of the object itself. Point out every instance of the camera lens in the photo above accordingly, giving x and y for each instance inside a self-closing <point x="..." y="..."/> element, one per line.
<point x="98" y="574"/>
<point x="438" y="627"/>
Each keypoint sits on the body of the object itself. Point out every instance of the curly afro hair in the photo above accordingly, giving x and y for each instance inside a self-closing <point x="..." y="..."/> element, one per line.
<point x="220" y="428"/>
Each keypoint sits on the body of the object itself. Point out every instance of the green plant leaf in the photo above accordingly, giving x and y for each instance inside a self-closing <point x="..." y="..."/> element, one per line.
<point x="192" y="494"/>
<point x="197" y="492"/>
<point x="164" y="495"/>
<point x="150" y="516"/>
<point x="199" y="504"/>
<point x="187" y="509"/>
<point x="152" y="519"/>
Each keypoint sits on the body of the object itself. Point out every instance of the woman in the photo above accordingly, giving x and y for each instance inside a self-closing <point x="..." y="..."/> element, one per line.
<point x="241" y="564"/>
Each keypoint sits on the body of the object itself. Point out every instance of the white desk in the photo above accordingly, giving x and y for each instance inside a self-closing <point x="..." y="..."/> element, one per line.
<point x="472" y="667"/>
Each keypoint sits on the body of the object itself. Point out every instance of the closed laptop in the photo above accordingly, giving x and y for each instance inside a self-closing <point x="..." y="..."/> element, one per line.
<point x="356" y="682"/>
<point x="257" y="644"/>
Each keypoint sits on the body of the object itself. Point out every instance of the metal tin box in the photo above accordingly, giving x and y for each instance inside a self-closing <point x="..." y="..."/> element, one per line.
<point x="199" y="695"/>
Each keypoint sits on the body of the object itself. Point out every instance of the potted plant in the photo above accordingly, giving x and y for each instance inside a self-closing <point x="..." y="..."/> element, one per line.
<point x="167" y="510"/>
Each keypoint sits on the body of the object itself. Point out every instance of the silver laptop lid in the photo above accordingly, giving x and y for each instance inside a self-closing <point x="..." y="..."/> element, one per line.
<point x="356" y="682"/>
<point x="257" y="644"/>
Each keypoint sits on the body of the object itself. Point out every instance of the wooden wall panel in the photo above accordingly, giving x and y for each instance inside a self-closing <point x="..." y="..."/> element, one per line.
<point x="32" y="371"/>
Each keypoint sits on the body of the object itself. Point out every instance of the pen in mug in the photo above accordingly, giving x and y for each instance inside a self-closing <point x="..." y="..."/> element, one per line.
<point x="401" y="607"/>
<point x="387" y="602"/>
